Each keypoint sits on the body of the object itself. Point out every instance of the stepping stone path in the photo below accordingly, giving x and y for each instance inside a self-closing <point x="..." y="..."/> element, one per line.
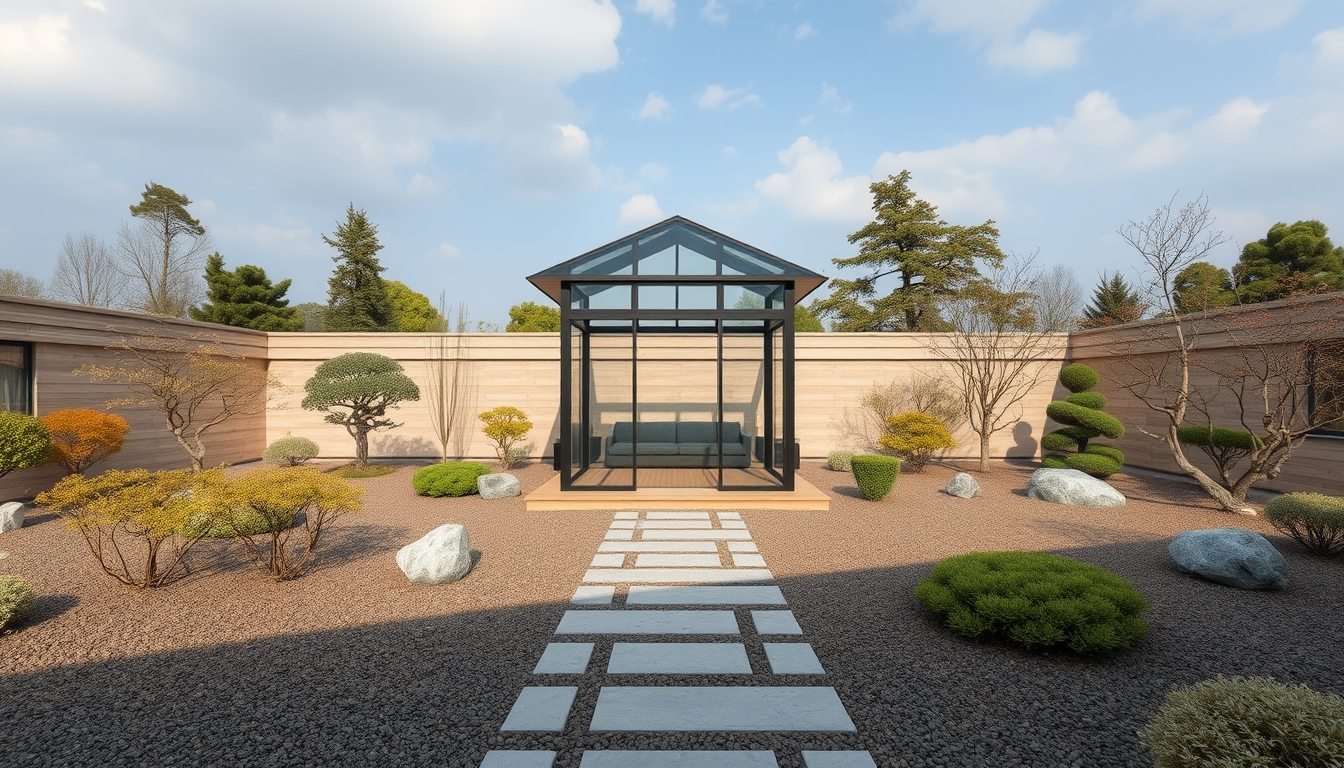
<point x="696" y="576"/>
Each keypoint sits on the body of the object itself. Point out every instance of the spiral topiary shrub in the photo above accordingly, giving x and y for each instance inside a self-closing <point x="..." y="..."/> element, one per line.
<point x="1085" y="420"/>
<point x="1247" y="722"/>
<point x="452" y="478"/>
<point x="290" y="451"/>
<point x="915" y="437"/>
<point x="16" y="599"/>
<point x="839" y="460"/>
<point x="1315" y="520"/>
<point x="1037" y="600"/>
<point x="875" y="475"/>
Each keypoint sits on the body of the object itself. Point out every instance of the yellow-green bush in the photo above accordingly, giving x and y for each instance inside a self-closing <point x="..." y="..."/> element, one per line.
<point x="1314" y="519"/>
<point x="16" y="599"/>
<point x="875" y="475"/>
<point x="24" y="442"/>
<point x="450" y="478"/>
<point x="505" y="426"/>
<point x="915" y="437"/>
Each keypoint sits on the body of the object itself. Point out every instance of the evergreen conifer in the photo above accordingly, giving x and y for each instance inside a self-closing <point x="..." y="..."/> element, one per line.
<point x="357" y="294"/>
<point x="1113" y="302"/>
<point x="245" y="298"/>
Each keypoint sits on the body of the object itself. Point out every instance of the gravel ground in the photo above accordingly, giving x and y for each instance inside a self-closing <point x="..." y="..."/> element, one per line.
<point x="352" y="665"/>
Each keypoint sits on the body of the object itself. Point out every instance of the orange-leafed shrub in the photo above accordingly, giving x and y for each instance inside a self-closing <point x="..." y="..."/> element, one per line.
<point x="82" y="437"/>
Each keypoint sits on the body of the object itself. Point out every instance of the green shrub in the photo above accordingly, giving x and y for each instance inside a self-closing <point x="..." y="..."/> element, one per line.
<point x="1078" y="377"/>
<point x="839" y="460"/>
<point x="1225" y="447"/>
<point x="290" y="451"/>
<point x="505" y="426"/>
<point x="16" y="599"/>
<point x="1084" y="420"/>
<point x="1314" y="519"/>
<point x="453" y="478"/>
<point x="24" y="442"/>
<point x="1035" y="599"/>
<point x="914" y="437"/>
<point x="875" y="475"/>
<point x="1256" y="723"/>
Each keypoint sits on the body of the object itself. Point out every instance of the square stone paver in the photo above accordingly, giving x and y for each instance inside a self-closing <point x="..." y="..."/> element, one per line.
<point x="708" y="534"/>
<point x="564" y="659"/>
<point x="664" y="515"/>
<point x="748" y="561"/>
<point x="742" y="546"/>
<point x="675" y="524"/>
<point x="620" y="535"/>
<point x="719" y="708"/>
<point x="675" y="575"/>
<point x="679" y="659"/>
<point x="660" y="546"/>
<point x="730" y="515"/>
<point x="776" y="623"/>
<point x="738" y="524"/>
<point x="700" y="759"/>
<point x="627" y="515"/>
<point x="641" y="594"/>
<point x="593" y="595"/>
<point x="615" y="524"/>
<point x="541" y="708"/>
<point x="792" y="659"/>
<point x="609" y="561"/>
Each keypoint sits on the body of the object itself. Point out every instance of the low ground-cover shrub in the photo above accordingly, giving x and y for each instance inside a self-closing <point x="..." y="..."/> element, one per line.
<point x="1256" y="723"/>
<point x="915" y="437"/>
<point x="839" y="460"/>
<point x="82" y="437"/>
<point x="1314" y="519"/>
<point x="16" y="599"/>
<point x="451" y="478"/>
<point x="356" y="472"/>
<point x="1037" y="600"/>
<point x="290" y="451"/>
<point x="24" y="442"/>
<point x="875" y="475"/>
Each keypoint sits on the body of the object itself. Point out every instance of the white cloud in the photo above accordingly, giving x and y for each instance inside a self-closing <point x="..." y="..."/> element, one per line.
<point x="715" y="96"/>
<point x="804" y="31"/>
<point x="1040" y="51"/>
<point x="95" y="5"/>
<point x="653" y="172"/>
<point x="640" y="209"/>
<point x="714" y="12"/>
<point x="812" y="187"/>
<point x="449" y="251"/>
<point x="830" y="96"/>
<point x="557" y="160"/>
<point x="655" y="108"/>
<point x="992" y="26"/>
<point x="1220" y="16"/>
<point x="46" y="34"/>
<point x="1328" y="60"/>
<point x="661" y="11"/>
<point x="729" y="153"/>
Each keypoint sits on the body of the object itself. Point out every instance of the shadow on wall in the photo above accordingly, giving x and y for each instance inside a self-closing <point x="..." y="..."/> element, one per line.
<point x="1024" y="444"/>
<point x="401" y="447"/>
<point x="437" y="689"/>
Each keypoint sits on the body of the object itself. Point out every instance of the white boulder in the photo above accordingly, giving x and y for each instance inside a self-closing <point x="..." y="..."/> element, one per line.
<point x="440" y="556"/>
<point x="1231" y="556"/>
<point x="1070" y="486"/>
<point x="962" y="485"/>
<point x="498" y="485"/>
<point x="11" y="516"/>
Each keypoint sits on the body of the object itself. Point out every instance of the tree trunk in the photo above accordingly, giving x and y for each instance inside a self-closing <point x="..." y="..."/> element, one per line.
<point x="1218" y="492"/>
<point x="362" y="447"/>
<point x="984" y="452"/>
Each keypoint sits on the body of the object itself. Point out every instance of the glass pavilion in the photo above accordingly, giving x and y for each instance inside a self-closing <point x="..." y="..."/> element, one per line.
<point x="677" y="362"/>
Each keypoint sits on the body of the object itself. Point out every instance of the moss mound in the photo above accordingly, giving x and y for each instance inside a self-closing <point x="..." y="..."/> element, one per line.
<point x="452" y="478"/>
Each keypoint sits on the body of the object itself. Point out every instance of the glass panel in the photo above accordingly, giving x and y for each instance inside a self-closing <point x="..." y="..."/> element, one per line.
<point x="697" y="297"/>
<point x="599" y="296"/>
<point x="657" y="297"/>
<point x="14" y="381"/>
<point x="696" y="255"/>
<point x="745" y="405"/>
<point x="660" y="260"/>
<point x="617" y="261"/>
<point x="753" y="296"/>
<point x="779" y="455"/>
<point x="610" y="405"/>
<point x="745" y="263"/>
<point x="678" y="399"/>
<point x="577" y="432"/>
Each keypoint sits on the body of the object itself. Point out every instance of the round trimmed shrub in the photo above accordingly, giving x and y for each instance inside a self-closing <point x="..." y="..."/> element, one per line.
<point x="1315" y="520"/>
<point x="452" y="478"/>
<point x="1037" y="600"/>
<point x="1247" y="722"/>
<point x="1077" y="377"/>
<point x="290" y="451"/>
<point x="875" y="475"/>
<point x="16" y="599"/>
<point x="915" y="436"/>
<point x="839" y="460"/>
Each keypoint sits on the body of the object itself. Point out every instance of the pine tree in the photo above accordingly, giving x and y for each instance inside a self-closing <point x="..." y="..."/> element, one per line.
<point x="1113" y="302"/>
<point x="1289" y="260"/>
<point x="357" y="296"/>
<point x="162" y="258"/>
<point x="1202" y="286"/>
<point x="245" y="298"/>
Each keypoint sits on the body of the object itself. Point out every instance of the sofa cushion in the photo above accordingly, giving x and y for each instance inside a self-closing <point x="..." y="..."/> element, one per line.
<point x="645" y="449"/>
<point x="707" y="432"/>
<point x="707" y="449"/>
<point x="657" y="432"/>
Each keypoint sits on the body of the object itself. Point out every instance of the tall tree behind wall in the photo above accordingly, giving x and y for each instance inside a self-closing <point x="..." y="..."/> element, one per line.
<point x="162" y="255"/>
<point x="86" y="273"/>
<point x="356" y="294"/>
<point x="1289" y="261"/>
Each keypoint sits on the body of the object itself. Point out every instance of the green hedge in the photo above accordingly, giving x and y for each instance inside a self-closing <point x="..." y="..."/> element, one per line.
<point x="1314" y="519"/>
<point x="453" y="478"/>
<point x="16" y="599"/>
<point x="1035" y="599"/>
<point x="875" y="475"/>
<point x="1067" y="412"/>
<point x="1234" y="722"/>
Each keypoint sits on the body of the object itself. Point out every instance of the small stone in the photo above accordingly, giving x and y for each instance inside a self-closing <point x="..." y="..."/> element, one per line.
<point x="441" y="556"/>
<point x="1231" y="556"/>
<point x="498" y="485"/>
<point x="11" y="516"/>
<point x="1069" y="486"/>
<point x="962" y="485"/>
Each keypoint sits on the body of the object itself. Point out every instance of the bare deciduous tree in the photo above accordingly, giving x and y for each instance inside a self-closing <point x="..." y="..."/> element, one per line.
<point x="164" y="254"/>
<point x="1059" y="299"/>
<point x="87" y="274"/>
<point x="447" y="371"/>
<point x="16" y="283"/>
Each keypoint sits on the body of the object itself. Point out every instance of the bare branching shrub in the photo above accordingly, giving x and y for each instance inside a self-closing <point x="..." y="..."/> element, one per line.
<point x="864" y="425"/>
<point x="86" y="273"/>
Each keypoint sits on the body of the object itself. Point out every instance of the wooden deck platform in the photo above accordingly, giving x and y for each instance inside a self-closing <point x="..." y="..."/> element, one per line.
<point x="804" y="497"/>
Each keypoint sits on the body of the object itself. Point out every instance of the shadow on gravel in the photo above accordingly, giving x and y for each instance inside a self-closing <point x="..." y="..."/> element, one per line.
<point x="435" y="691"/>
<point x="47" y="607"/>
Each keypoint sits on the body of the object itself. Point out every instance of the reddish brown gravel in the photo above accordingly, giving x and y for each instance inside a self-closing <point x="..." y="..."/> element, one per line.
<point x="353" y="665"/>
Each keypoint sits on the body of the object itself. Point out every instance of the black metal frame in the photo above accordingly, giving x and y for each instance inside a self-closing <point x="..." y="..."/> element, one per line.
<point x="27" y="347"/>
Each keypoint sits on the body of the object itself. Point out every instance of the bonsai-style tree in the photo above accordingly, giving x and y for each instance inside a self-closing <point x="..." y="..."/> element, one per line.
<point x="915" y="437"/>
<point x="1082" y="415"/>
<point x="1224" y="447"/>
<point x="24" y="442"/>
<point x="355" y="390"/>
<point x="505" y="426"/>
<point x="82" y="437"/>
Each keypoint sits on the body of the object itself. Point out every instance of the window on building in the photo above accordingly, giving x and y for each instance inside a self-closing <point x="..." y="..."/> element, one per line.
<point x="1326" y="396"/>
<point x="16" y="377"/>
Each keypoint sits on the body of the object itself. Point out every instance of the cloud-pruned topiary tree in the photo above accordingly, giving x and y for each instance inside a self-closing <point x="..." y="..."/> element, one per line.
<point x="1084" y="420"/>
<point x="355" y="390"/>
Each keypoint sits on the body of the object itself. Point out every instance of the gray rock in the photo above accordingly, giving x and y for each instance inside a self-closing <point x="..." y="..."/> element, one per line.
<point x="11" y="516"/>
<point x="499" y="485"/>
<point x="962" y="485"/>
<point x="1069" y="486"/>
<point x="1231" y="556"/>
<point x="440" y="556"/>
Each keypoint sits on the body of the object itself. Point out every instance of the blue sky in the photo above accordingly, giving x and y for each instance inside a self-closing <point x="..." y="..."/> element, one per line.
<point x="491" y="139"/>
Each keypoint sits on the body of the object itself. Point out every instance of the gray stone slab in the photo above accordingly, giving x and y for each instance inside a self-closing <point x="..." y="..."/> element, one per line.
<point x="564" y="659"/>
<point x="593" y="595"/>
<point x="793" y="659"/>
<point x="714" y="533"/>
<point x="730" y="524"/>
<point x="518" y="758"/>
<point x="661" y="515"/>
<point x="742" y="546"/>
<point x="675" y="524"/>
<point x="729" y="515"/>
<point x="649" y="595"/>
<point x="719" y="708"/>
<point x="776" y="623"/>
<point x="675" y="575"/>
<point x="609" y="561"/>
<point x="700" y="759"/>
<point x="661" y="546"/>
<point x="652" y="622"/>
<point x="855" y="758"/>
<point x="627" y="516"/>
<point x="618" y="524"/>
<point x="541" y="708"/>
<point x="679" y="659"/>
<point x="620" y="535"/>
<point x="748" y="561"/>
<point x="658" y="560"/>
